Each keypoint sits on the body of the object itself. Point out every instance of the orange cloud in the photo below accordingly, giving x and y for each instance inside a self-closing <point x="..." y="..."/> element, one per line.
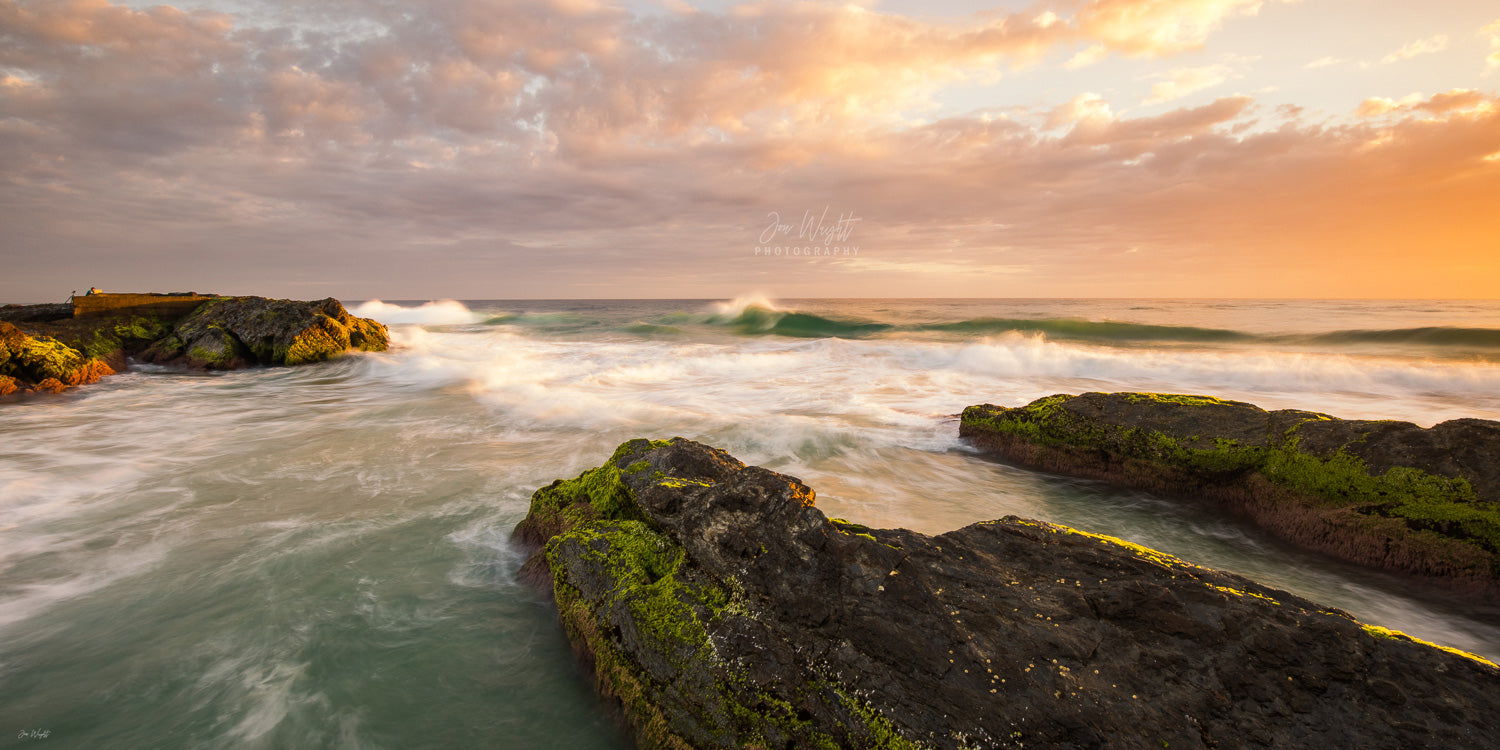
<point x="1392" y="209"/>
<point x="161" y="38"/>
<point x="475" y="130"/>
<point x="1426" y="46"/>
<point x="1158" y="27"/>
<point x="1492" y="32"/>
<point x="1454" y="101"/>
<point x="578" y="75"/>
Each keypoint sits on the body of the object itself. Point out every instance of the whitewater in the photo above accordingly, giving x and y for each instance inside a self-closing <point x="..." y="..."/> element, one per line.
<point x="319" y="556"/>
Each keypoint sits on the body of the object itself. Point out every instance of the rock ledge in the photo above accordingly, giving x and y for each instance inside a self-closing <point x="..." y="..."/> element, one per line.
<point x="47" y="349"/>
<point x="721" y="609"/>
<point x="1424" y="503"/>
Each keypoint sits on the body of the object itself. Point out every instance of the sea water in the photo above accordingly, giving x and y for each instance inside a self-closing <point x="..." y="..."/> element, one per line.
<point x="319" y="556"/>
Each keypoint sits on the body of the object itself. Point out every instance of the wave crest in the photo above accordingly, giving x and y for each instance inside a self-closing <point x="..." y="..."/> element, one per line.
<point x="436" y="313"/>
<point x="756" y="315"/>
<point x="728" y="311"/>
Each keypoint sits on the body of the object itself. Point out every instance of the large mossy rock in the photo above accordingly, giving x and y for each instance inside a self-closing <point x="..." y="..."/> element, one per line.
<point x="55" y="351"/>
<point x="721" y="609"/>
<point x="1386" y="494"/>
<point x="112" y="339"/>
<point x="42" y="363"/>
<point x="232" y="332"/>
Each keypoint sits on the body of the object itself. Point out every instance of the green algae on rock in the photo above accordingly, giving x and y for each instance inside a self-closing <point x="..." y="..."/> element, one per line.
<point x="231" y="332"/>
<point x="642" y="618"/>
<point x="52" y="350"/>
<point x="42" y="363"/>
<point x="719" y="608"/>
<point x="1386" y="494"/>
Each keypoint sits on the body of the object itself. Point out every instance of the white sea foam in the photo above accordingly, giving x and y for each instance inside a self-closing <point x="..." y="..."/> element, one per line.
<point x="1424" y="392"/>
<point x="899" y="388"/>
<point x="263" y="688"/>
<point x="88" y="571"/>
<point x="435" y="313"/>
<point x="262" y="528"/>
<point x="737" y="306"/>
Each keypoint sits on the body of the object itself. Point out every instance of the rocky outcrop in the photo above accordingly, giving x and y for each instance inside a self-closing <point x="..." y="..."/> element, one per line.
<point x="43" y="364"/>
<point x="720" y="609"/>
<point x="36" y="313"/>
<point x="232" y="332"/>
<point x="1391" y="495"/>
<point x="51" y="350"/>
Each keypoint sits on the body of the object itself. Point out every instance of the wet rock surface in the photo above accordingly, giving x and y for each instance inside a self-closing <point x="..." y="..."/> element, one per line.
<point x="233" y="332"/>
<point x="37" y="363"/>
<point x="1423" y="503"/>
<point x="47" y="350"/>
<point x="721" y="609"/>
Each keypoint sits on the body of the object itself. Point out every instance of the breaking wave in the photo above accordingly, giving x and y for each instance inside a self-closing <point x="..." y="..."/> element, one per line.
<point x="759" y="316"/>
<point x="437" y="313"/>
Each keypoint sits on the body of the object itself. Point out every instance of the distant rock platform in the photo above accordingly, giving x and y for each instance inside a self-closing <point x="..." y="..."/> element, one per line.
<point x="1424" y="503"/>
<point x="46" y="348"/>
<point x="719" y="608"/>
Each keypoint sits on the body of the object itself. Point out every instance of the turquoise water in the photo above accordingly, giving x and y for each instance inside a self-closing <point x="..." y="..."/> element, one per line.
<point x="318" y="557"/>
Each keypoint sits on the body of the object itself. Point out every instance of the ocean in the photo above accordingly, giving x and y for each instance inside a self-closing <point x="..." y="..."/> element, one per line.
<point x="319" y="556"/>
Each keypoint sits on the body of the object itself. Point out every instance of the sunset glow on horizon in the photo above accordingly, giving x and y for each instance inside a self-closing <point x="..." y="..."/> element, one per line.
<point x="475" y="149"/>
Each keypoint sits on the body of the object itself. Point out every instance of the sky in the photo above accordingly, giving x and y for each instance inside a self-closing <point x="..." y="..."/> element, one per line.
<point x="476" y="149"/>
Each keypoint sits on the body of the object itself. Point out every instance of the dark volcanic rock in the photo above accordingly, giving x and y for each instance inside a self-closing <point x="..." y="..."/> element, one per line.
<point x="1387" y="494"/>
<point x="722" y="610"/>
<point x="232" y="332"/>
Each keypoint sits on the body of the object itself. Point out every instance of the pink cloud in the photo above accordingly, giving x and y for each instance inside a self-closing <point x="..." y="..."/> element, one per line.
<point x="478" y="130"/>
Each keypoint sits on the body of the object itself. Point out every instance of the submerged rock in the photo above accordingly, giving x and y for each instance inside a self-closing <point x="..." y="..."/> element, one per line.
<point x="232" y="332"/>
<point x="721" y="609"/>
<point x="1391" y="495"/>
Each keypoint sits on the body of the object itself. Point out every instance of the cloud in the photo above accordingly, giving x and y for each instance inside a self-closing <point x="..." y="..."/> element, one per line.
<point x="1087" y="109"/>
<point x="1453" y="101"/>
<point x="537" y="147"/>
<point x="1086" y="57"/>
<point x="1492" y="32"/>
<point x="1181" y="82"/>
<point x="1153" y="28"/>
<point x="538" y="76"/>
<point x="1428" y="46"/>
<point x="1322" y="62"/>
<point x="1378" y="105"/>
